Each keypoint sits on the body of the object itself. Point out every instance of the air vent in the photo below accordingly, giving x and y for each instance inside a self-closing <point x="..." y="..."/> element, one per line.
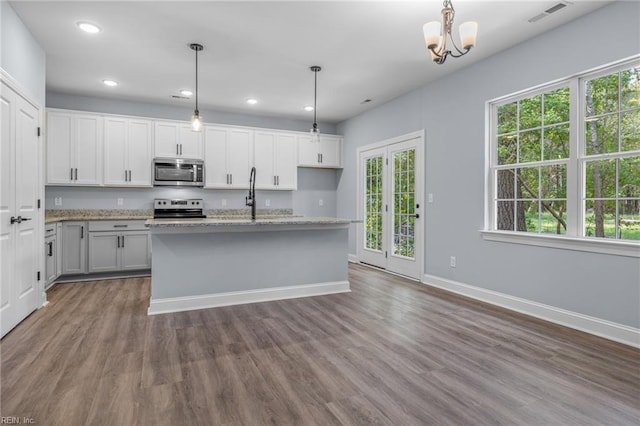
<point x="556" y="8"/>
<point x="549" y="11"/>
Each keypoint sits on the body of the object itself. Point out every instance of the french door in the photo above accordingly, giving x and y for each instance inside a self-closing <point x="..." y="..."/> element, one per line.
<point x="391" y="182"/>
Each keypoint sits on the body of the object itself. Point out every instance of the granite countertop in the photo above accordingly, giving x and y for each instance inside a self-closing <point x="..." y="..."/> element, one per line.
<point x="59" y="215"/>
<point x="93" y="214"/>
<point x="246" y="221"/>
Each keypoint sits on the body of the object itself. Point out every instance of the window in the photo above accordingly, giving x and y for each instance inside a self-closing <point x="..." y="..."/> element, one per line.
<point x="565" y="158"/>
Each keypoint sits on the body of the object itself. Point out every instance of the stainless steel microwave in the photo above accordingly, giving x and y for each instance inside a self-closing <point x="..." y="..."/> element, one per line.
<point x="178" y="172"/>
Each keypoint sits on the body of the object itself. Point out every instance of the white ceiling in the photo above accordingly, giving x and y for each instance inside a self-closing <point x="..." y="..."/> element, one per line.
<point x="263" y="49"/>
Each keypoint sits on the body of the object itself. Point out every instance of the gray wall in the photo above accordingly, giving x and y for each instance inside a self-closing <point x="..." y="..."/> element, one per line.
<point x="452" y="112"/>
<point x="313" y="185"/>
<point x="20" y="54"/>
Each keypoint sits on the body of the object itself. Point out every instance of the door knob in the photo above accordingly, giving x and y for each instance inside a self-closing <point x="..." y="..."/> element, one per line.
<point x="417" y="216"/>
<point x="16" y="219"/>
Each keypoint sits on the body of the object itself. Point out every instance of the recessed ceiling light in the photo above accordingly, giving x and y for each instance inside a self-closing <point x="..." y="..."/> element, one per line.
<point x="252" y="101"/>
<point x="110" y="83"/>
<point x="308" y="108"/>
<point x="88" y="27"/>
<point x="186" y="92"/>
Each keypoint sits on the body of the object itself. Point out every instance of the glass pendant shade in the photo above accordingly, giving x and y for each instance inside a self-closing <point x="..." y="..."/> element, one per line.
<point x="468" y="33"/>
<point x="196" y="121"/>
<point x="432" y="34"/>
<point x="315" y="134"/>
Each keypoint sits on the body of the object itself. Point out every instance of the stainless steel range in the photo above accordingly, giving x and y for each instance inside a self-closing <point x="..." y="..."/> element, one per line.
<point x="192" y="208"/>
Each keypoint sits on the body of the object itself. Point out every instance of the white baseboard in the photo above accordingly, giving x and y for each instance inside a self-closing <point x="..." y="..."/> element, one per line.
<point x="353" y="258"/>
<point x="190" y="303"/>
<point x="609" y="330"/>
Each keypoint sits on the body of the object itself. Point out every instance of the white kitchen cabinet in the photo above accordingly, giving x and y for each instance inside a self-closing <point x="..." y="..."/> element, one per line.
<point x="174" y="139"/>
<point x="118" y="245"/>
<point x="74" y="148"/>
<point x="228" y="157"/>
<point x="275" y="159"/>
<point x="128" y="146"/>
<point x="74" y="247"/>
<point x="325" y="154"/>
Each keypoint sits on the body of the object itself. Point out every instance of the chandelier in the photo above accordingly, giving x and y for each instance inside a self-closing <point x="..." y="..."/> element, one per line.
<point x="436" y="35"/>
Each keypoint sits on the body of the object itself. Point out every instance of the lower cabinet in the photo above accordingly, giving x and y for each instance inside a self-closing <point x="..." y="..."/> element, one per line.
<point x="52" y="258"/>
<point x="118" y="246"/>
<point x="74" y="247"/>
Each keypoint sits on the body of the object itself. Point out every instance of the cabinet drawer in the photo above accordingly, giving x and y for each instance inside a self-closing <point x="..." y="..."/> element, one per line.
<point x="117" y="225"/>
<point x="50" y="230"/>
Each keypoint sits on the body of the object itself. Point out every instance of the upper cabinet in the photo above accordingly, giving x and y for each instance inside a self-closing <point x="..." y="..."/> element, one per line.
<point x="275" y="159"/>
<point x="117" y="151"/>
<point x="74" y="148"/>
<point x="228" y="155"/>
<point x="325" y="154"/>
<point x="128" y="144"/>
<point x="176" y="139"/>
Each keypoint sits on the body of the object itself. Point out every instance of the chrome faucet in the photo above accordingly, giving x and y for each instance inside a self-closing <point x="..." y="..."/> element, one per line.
<point x="251" y="199"/>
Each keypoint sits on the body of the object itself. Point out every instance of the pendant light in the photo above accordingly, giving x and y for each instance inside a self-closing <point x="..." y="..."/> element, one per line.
<point x="196" y="119"/>
<point x="315" y="132"/>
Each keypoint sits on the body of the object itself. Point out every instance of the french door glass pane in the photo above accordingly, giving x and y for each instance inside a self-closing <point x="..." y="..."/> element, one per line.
<point x="373" y="203"/>
<point x="404" y="203"/>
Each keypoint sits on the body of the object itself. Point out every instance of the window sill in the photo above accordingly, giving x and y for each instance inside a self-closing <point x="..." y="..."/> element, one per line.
<point x="593" y="245"/>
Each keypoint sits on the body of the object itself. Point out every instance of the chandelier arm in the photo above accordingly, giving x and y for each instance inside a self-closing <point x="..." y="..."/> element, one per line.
<point x="461" y="53"/>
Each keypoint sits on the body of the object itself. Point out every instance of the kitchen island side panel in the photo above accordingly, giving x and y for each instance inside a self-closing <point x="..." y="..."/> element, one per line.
<point x="194" y="264"/>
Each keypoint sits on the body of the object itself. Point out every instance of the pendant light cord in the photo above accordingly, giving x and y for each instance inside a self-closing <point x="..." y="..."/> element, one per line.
<point x="315" y="99"/>
<point x="196" y="80"/>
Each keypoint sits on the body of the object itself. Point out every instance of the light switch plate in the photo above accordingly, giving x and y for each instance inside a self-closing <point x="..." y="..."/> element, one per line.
<point x="267" y="202"/>
<point x="223" y="202"/>
<point x="321" y="202"/>
<point x="58" y="201"/>
<point x="120" y="201"/>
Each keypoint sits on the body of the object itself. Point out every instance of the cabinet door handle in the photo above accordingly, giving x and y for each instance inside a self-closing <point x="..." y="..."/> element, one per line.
<point x="50" y="249"/>
<point x="122" y="242"/>
<point x="231" y="178"/>
<point x="117" y="241"/>
<point x="180" y="149"/>
<point x="76" y="173"/>
<point x="321" y="159"/>
<point x="278" y="180"/>
<point x="81" y="232"/>
<point x="318" y="158"/>
<point x="71" y="173"/>
<point x="129" y="175"/>
<point x="274" y="181"/>
<point x="120" y="226"/>
<point x="177" y="150"/>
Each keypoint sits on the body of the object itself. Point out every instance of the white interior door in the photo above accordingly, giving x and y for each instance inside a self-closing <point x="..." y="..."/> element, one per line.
<point x="20" y="242"/>
<point x="391" y="188"/>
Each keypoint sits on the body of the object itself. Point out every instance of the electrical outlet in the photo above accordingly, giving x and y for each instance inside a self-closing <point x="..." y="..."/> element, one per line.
<point x="267" y="202"/>
<point x="223" y="202"/>
<point x="120" y="201"/>
<point x="58" y="201"/>
<point x="452" y="261"/>
<point x="430" y="197"/>
<point x="321" y="202"/>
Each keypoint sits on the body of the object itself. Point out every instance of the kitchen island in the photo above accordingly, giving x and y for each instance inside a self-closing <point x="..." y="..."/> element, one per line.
<point x="204" y="263"/>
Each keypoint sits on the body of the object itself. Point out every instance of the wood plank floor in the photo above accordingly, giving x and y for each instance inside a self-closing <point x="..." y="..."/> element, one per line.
<point x="390" y="352"/>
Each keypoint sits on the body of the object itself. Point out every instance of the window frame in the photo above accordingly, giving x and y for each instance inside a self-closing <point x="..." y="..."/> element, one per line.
<point x="574" y="238"/>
